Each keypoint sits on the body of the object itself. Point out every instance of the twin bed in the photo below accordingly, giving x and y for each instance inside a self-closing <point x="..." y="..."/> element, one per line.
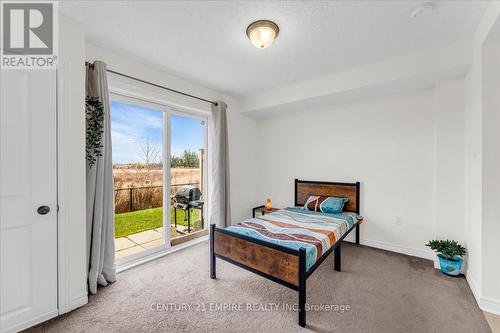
<point x="287" y="246"/>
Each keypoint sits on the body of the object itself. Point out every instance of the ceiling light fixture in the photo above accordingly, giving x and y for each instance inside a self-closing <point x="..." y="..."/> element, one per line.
<point x="262" y="33"/>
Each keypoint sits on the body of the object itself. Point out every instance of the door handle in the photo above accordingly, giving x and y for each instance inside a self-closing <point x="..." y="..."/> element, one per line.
<point x="43" y="210"/>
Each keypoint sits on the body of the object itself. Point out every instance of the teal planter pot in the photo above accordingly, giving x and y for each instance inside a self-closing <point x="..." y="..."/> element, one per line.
<point x="450" y="267"/>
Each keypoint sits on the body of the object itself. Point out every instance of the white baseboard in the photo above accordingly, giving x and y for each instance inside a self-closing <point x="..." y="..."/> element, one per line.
<point x="473" y="287"/>
<point x="490" y="305"/>
<point x="411" y="251"/>
<point x="74" y="303"/>
<point x="79" y="301"/>
<point x="29" y="323"/>
<point x="485" y="303"/>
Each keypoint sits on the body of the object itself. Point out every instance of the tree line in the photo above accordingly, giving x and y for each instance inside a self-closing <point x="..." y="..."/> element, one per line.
<point x="188" y="159"/>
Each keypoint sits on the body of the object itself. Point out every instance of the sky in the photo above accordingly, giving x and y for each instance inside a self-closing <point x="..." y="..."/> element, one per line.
<point x="133" y="125"/>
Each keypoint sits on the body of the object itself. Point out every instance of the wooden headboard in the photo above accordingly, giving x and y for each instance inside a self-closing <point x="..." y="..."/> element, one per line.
<point x="305" y="188"/>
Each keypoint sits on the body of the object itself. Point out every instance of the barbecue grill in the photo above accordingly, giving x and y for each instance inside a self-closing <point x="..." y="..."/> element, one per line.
<point x="186" y="194"/>
<point x="185" y="198"/>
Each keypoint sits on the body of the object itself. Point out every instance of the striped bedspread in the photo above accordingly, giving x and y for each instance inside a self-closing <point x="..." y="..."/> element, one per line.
<point x="296" y="228"/>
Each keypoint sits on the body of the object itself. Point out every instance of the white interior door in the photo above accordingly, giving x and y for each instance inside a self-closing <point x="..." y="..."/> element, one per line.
<point x="28" y="193"/>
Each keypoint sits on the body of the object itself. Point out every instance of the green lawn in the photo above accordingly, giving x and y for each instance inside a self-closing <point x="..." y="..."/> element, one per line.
<point x="147" y="219"/>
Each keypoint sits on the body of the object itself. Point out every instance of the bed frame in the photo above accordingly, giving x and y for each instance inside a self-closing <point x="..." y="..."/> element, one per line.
<point x="278" y="263"/>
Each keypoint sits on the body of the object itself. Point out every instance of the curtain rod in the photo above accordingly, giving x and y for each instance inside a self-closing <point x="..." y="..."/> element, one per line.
<point x="155" y="85"/>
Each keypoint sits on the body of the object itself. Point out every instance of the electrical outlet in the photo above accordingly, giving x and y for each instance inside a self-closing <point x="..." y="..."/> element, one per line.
<point x="399" y="220"/>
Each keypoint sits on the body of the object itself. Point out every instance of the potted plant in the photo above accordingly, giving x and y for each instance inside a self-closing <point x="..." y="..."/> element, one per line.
<point x="449" y="253"/>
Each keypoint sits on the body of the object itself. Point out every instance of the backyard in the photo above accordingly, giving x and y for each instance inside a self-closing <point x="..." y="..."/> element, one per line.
<point x="139" y="198"/>
<point x="149" y="219"/>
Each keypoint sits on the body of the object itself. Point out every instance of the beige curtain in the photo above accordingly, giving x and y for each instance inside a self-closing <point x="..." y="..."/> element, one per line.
<point x="220" y="208"/>
<point x="100" y="198"/>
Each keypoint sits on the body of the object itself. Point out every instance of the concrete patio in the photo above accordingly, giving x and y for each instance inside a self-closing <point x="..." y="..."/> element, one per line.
<point x="125" y="246"/>
<point x="131" y="244"/>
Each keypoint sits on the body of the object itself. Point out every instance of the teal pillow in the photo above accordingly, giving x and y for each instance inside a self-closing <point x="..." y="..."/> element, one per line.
<point x="330" y="205"/>
<point x="333" y="205"/>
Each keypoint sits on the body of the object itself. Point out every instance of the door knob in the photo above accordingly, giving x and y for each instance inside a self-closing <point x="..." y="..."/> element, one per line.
<point x="43" y="210"/>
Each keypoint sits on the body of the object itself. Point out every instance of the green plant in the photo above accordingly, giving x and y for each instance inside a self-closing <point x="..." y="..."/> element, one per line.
<point x="447" y="248"/>
<point x="94" y="112"/>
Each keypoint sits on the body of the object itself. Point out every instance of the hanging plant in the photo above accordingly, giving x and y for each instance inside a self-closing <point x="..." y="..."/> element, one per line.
<point x="94" y="111"/>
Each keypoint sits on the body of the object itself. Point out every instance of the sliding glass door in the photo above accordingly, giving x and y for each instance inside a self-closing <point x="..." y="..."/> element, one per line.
<point x="138" y="144"/>
<point x="159" y="177"/>
<point x="187" y="177"/>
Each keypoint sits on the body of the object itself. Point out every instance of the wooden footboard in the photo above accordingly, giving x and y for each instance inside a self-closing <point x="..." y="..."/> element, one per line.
<point x="277" y="263"/>
<point x="273" y="261"/>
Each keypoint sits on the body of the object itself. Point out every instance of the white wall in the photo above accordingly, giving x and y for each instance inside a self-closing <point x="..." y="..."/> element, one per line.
<point x="480" y="162"/>
<point x="242" y="149"/>
<point x="391" y="145"/>
<point x="473" y="175"/>
<point x="491" y="170"/>
<point x="450" y="160"/>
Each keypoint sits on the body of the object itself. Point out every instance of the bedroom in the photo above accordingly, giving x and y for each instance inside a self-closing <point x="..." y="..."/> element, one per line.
<point x="389" y="104"/>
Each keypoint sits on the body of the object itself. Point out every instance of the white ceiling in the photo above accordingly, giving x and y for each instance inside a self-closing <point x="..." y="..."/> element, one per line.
<point x="205" y="41"/>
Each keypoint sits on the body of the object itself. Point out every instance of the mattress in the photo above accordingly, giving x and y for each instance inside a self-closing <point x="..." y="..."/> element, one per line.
<point x="295" y="228"/>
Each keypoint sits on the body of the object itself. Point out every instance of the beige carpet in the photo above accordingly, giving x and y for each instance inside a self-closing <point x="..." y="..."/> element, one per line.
<point x="388" y="292"/>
